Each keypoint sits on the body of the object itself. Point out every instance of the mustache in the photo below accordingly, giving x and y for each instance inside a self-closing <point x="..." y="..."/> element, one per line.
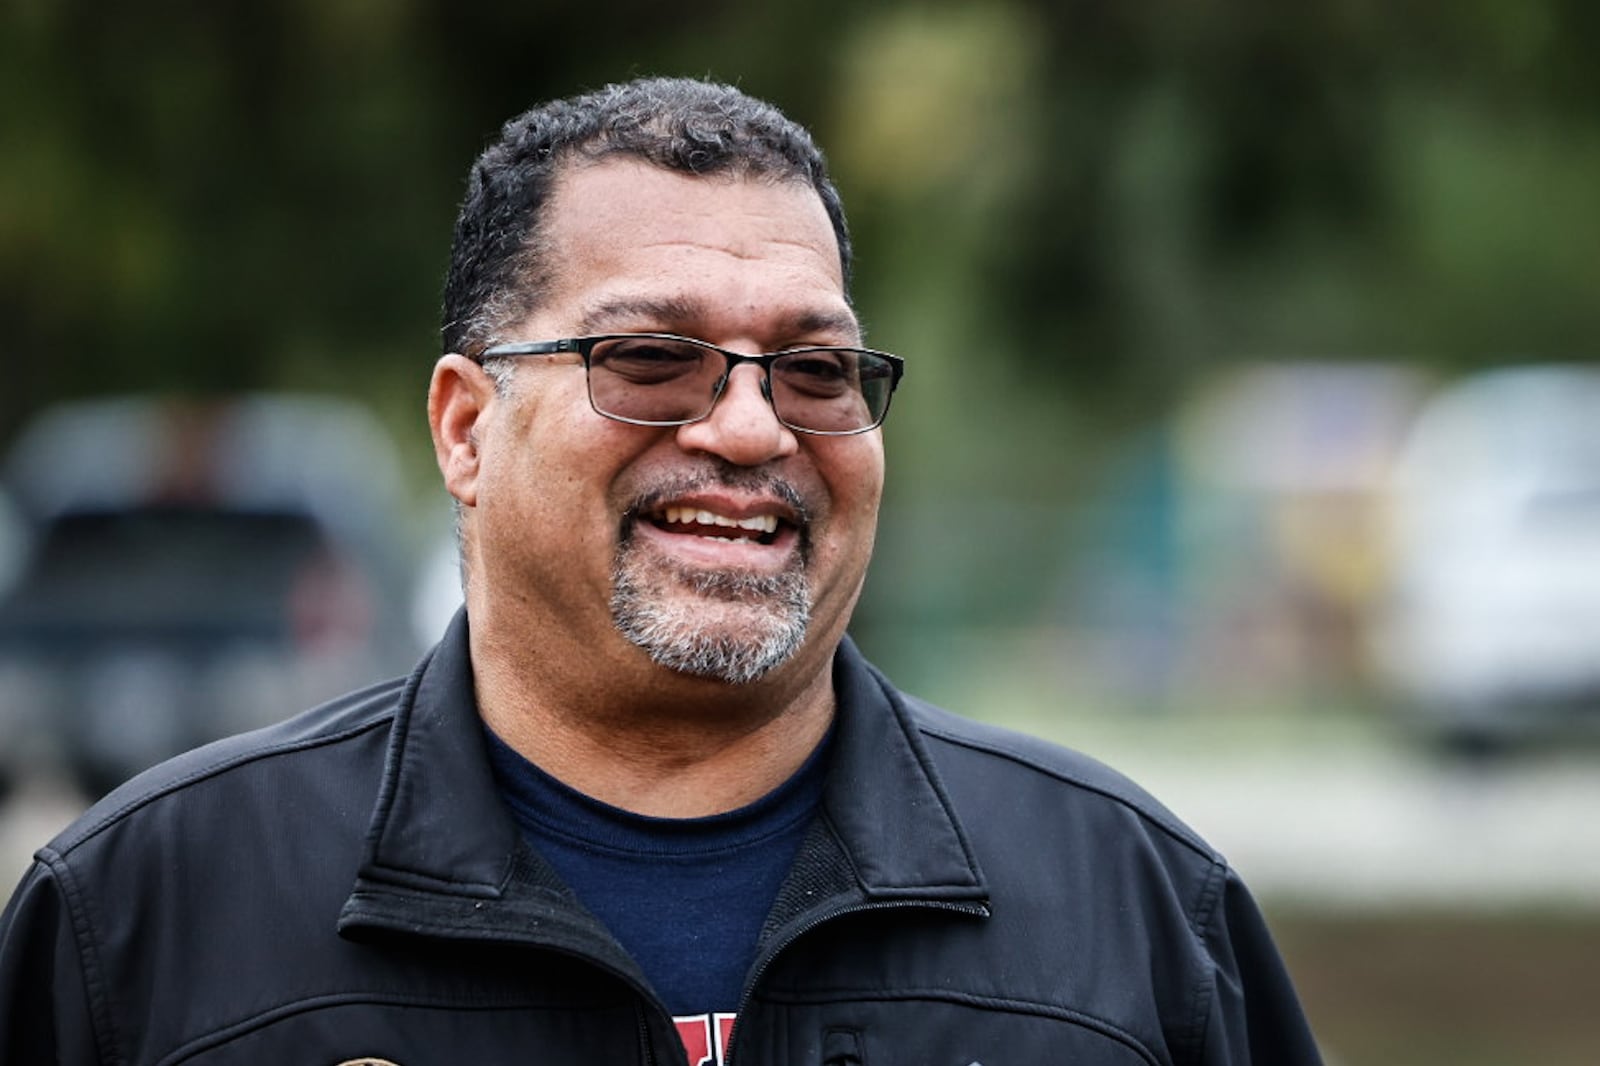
<point x="724" y="476"/>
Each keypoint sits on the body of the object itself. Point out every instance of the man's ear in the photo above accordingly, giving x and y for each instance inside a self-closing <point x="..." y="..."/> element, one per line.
<point x="459" y="397"/>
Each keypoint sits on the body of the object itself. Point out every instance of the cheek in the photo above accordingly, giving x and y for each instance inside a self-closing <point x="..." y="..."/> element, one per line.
<point x="582" y="473"/>
<point x="540" y="477"/>
<point x="854" y="475"/>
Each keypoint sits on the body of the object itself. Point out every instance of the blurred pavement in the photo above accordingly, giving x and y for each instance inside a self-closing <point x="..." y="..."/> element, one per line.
<point x="1392" y="828"/>
<point x="33" y="813"/>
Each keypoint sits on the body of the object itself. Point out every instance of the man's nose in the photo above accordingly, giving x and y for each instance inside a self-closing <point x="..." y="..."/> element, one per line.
<point x="742" y="428"/>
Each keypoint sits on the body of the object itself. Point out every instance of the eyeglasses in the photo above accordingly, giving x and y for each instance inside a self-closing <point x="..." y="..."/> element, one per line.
<point x="657" y="379"/>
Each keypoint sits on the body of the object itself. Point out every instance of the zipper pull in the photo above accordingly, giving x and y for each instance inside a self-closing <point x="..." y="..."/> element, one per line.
<point x="842" y="1047"/>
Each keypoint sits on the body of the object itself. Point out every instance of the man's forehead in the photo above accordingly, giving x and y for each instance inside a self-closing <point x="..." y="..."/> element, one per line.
<point x="600" y="198"/>
<point x="633" y="247"/>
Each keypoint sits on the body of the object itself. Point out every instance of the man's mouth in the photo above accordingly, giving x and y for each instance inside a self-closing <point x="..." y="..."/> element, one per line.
<point x="699" y="522"/>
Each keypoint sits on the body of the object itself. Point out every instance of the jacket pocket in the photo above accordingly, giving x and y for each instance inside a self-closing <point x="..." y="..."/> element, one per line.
<point x="842" y="1047"/>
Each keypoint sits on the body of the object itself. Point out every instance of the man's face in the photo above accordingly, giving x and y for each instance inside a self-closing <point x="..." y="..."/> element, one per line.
<point x="720" y="548"/>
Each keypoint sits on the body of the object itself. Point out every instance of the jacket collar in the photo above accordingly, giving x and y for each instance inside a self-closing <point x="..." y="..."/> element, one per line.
<point x="439" y="823"/>
<point x="885" y="799"/>
<point x="442" y="849"/>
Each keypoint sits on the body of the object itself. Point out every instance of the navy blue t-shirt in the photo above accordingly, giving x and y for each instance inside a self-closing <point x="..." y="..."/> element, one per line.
<point x="685" y="896"/>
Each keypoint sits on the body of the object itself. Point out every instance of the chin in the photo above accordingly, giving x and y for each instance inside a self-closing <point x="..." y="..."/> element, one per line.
<point x="730" y="626"/>
<point x="734" y="643"/>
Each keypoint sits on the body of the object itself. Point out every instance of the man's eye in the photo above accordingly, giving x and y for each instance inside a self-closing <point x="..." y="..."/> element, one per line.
<point x="645" y="361"/>
<point x="818" y="373"/>
<point x="820" y="367"/>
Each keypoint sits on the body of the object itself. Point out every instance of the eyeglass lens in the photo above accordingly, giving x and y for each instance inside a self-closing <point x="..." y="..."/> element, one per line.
<point x="650" y="379"/>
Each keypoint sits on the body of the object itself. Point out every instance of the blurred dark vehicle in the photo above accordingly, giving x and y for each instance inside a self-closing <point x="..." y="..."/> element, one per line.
<point x="190" y="570"/>
<point x="1491" y="629"/>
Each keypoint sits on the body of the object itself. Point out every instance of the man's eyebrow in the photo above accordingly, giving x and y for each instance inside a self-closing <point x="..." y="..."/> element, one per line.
<point x="827" y="322"/>
<point x="607" y="315"/>
<point x="680" y="313"/>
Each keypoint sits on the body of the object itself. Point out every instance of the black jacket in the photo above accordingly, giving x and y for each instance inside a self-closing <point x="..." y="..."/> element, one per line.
<point x="348" y="885"/>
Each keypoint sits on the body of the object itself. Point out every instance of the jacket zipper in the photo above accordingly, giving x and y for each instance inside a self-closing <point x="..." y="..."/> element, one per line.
<point x="980" y="910"/>
<point x="644" y="1033"/>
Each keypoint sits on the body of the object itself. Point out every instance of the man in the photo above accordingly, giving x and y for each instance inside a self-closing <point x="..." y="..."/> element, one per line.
<point x="645" y="799"/>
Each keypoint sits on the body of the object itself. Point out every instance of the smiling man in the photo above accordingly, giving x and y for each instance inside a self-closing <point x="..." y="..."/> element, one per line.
<point x="644" y="802"/>
<point x="671" y="592"/>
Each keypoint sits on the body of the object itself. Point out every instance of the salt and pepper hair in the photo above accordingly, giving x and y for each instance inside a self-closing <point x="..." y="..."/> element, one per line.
<point x="499" y="269"/>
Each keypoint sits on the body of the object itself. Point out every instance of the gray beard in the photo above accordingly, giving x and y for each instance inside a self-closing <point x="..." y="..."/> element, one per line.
<point x="776" y="611"/>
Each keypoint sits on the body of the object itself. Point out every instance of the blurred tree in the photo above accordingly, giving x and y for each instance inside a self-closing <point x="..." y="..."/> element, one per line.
<point x="232" y="195"/>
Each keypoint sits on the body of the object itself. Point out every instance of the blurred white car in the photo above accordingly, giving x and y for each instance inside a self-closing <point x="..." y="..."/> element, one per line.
<point x="1492" y="625"/>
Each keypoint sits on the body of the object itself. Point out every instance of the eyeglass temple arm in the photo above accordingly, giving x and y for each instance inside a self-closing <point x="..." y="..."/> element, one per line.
<point x="568" y="344"/>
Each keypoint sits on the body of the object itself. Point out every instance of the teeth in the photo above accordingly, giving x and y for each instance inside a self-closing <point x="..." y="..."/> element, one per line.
<point x="762" y="523"/>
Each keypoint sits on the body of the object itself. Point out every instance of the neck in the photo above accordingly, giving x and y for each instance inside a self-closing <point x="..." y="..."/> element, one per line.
<point x="649" y="740"/>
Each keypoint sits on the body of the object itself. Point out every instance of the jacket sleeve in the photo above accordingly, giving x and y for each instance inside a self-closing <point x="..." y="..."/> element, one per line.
<point x="44" y="1004"/>
<point x="1254" y="1017"/>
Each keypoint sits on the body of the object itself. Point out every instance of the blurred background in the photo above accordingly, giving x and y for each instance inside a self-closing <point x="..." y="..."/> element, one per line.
<point x="1249" y="437"/>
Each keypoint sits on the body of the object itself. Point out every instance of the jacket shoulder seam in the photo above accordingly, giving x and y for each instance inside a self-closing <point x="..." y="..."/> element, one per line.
<point x="1166" y="823"/>
<point x="1204" y="913"/>
<point x="235" y="759"/>
<point x="95" y="986"/>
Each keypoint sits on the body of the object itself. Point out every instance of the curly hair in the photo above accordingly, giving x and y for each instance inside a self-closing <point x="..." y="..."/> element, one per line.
<point x="498" y="270"/>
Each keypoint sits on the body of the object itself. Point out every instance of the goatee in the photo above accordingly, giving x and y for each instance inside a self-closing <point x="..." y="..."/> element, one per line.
<point x="725" y="625"/>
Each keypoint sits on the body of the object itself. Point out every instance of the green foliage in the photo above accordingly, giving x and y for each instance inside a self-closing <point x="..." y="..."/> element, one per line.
<point x="220" y="196"/>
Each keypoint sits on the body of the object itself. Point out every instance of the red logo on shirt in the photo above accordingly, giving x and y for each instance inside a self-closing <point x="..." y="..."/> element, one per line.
<point x="705" y="1037"/>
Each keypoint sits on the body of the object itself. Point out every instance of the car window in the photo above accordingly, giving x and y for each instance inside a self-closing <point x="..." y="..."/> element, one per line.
<point x="181" y="571"/>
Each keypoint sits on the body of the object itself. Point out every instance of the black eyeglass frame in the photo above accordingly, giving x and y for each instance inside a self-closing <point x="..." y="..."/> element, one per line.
<point x="584" y="347"/>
